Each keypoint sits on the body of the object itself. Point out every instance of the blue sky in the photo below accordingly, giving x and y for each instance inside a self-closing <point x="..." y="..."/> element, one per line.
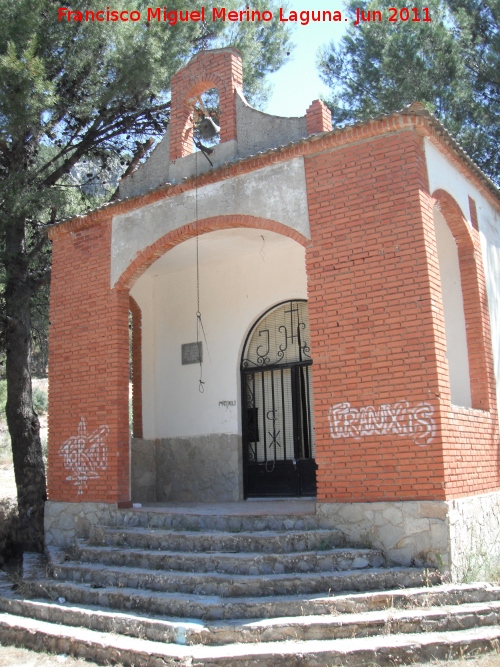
<point x="297" y="83"/>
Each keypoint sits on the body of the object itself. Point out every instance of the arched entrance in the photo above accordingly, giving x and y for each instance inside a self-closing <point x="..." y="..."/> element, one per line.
<point x="277" y="414"/>
<point x="191" y="444"/>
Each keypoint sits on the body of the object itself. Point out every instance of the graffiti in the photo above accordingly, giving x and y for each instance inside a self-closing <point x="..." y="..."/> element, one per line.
<point x="401" y="419"/>
<point x="84" y="454"/>
<point x="227" y="404"/>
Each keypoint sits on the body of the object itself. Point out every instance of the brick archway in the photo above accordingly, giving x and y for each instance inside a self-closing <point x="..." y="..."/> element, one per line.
<point x="474" y="298"/>
<point x="154" y="251"/>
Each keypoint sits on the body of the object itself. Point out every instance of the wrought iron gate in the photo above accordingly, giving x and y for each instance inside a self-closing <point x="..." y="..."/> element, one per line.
<point x="278" y="429"/>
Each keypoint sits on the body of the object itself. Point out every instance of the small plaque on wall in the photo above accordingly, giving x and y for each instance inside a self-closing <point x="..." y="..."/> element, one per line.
<point x="192" y="353"/>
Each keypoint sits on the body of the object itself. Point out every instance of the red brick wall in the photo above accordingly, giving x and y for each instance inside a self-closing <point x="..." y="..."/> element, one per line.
<point x="377" y="329"/>
<point x="370" y="315"/>
<point x="376" y="321"/>
<point x="318" y="118"/>
<point x="88" y="347"/>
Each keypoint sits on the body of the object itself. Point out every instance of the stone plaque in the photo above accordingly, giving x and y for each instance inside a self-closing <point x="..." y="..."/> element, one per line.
<point x="192" y="353"/>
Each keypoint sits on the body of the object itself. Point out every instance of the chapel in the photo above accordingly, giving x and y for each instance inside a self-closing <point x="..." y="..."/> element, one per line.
<point x="301" y="311"/>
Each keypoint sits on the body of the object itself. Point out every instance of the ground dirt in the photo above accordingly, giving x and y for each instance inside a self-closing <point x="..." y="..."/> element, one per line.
<point x="20" y="657"/>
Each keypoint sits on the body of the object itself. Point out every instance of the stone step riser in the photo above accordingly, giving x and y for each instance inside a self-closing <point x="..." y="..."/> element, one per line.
<point x="148" y="603"/>
<point x="318" y="540"/>
<point x="229" y="524"/>
<point x="216" y="609"/>
<point x="241" y="585"/>
<point x="106" y="649"/>
<point x="300" y="629"/>
<point x="243" y="563"/>
<point x="98" y="620"/>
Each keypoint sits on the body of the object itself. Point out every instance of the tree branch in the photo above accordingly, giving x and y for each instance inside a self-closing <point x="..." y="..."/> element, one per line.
<point x="94" y="136"/>
<point x="43" y="279"/>
<point x="142" y="149"/>
<point x="37" y="247"/>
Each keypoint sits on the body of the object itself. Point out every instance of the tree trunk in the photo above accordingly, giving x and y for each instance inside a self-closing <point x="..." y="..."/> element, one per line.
<point x="22" y="419"/>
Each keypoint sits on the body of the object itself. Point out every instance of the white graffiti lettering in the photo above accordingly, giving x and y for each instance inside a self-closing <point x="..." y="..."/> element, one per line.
<point x="84" y="454"/>
<point x="401" y="419"/>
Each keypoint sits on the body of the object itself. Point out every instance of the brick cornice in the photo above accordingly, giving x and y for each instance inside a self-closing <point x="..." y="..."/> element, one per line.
<point x="414" y="118"/>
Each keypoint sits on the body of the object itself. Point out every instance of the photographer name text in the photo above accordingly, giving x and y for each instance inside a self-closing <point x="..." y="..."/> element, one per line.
<point x="171" y="17"/>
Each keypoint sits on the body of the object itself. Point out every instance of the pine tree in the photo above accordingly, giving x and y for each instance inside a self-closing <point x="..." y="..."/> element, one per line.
<point x="451" y="63"/>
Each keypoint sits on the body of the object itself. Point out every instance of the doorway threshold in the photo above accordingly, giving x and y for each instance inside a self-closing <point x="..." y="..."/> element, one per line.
<point x="256" y="507"/>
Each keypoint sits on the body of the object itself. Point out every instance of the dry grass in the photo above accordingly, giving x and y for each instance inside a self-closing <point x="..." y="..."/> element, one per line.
<point x="17" y="657"/>
<point x="20" y="657"/>
<point x="488" y="660"/>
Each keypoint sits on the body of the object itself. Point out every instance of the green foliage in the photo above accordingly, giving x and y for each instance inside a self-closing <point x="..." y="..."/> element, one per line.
<point x="40" y="332"/>
<point x="451" y="64"/>
<point x="264" y="50"/>
<point x="3" y="398"/>
<point x="40" y="400"/>
<point x="78" y="99"/>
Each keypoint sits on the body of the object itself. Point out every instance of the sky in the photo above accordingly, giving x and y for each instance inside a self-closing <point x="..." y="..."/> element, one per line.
<point x="297" y="83"/>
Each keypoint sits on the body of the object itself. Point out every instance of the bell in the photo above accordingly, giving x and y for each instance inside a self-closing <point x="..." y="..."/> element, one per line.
<point x="208" y="129"/>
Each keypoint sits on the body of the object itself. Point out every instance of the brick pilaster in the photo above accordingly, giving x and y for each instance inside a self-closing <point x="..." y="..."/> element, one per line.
<point x="318" y="118"/>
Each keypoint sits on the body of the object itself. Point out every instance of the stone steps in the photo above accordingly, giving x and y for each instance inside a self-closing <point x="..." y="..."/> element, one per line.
<point x="381" y="649"/>
<point x="177" y="590"/>
<point x="237" y="585"/>
<point x="233" y="562"/>
<point x="306" y="628"/>
<point x="194" y="521"/>
<point x="263" y="541"/>
<point x="216" y="608"/>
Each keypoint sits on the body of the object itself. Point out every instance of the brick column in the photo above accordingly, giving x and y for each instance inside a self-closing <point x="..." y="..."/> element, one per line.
<point x="136" y="368"/>
<point x="89" y="350"/>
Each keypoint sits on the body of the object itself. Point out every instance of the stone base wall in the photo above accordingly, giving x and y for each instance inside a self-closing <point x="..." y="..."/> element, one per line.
<point x="409" y="532"/>
<point x="460" y="537"/>
<point x="197" y="469"/>
<point x="66" y="521"/>
<point x="143" y="457"/>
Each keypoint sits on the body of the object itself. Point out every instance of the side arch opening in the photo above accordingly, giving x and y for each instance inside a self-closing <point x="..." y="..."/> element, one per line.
<point x="465" y="310"/>
<point x="454" y="313"/>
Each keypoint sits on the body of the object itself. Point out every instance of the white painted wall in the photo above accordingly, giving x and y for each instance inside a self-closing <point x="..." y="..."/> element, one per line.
<point x="275" y="192"/>
<point x="243" y="272"/>
<point x="454" y="316"/>
<point x="442" y="174"/>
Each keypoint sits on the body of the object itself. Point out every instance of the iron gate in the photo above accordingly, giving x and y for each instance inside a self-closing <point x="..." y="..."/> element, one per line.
<point x="278" y="429"/>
